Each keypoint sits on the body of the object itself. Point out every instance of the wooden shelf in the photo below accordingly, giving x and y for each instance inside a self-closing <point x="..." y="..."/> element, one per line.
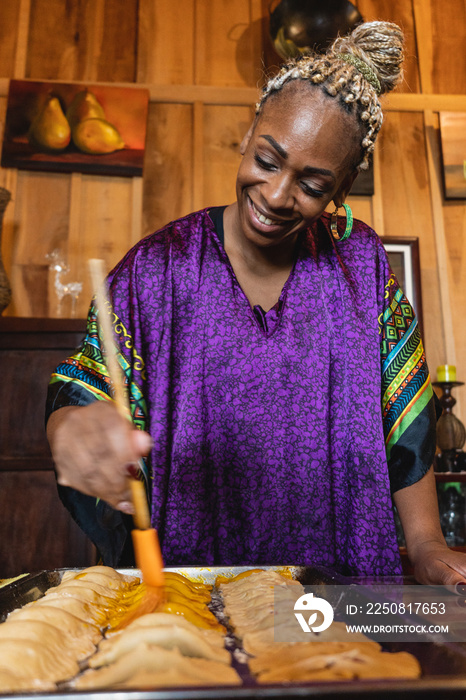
<point x="224" y="95"/>
<point x="443" y="477"/>
<point x="39" y="531"/>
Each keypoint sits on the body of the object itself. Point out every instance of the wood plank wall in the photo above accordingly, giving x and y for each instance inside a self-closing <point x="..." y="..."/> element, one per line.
<point x="202" y="61"/>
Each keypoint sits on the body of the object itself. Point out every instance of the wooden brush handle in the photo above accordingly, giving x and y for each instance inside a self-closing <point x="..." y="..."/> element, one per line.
<point x="96" y="268"/>
<point x="141" y="509"/>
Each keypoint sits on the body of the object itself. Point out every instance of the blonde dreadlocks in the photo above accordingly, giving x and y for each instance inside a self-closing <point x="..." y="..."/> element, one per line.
<point x="356" y="69"/>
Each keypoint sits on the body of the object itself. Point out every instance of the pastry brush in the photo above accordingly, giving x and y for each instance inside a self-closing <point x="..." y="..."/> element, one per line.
<point x="145" y="539"/>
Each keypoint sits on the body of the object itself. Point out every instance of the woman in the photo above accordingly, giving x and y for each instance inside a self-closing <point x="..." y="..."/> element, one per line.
<point x="257" y="341"/>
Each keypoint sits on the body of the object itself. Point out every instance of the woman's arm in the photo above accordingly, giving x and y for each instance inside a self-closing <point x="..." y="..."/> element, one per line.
<point x="434" y="563"/>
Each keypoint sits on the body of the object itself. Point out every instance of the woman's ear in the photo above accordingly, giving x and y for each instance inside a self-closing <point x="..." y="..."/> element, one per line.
<point x="247" y="137"/>
<point x="345" y="188"/>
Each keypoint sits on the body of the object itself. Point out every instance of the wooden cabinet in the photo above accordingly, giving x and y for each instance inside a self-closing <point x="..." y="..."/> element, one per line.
<point x="36" y="531"/>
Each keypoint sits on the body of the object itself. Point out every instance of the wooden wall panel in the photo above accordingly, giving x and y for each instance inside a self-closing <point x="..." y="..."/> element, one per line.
<point x="9" y="17"/>
<point x="104" y="229"/>
<point x="402" y="14"/>
<point x="455" y="233"/>
<point x="116" y="45"/>
<point x="36" y="531"/>
<point x="272" y="60"/>
<point x="8" y="179"/>
<point x="448" y="37"/>
<point x="227" y="51"/>
<point x="407" y="211"/>
<point x="440" y="29"/>
<point x="89" y="40"/>
<point x="41" y="212"/>
<point x="224" y="128"/>
<point x="29" y="538"/>
<point x="361" y="208"/>
<point x="166" y="42"/>
<point x="168" y="165"/>
<point x="5" y="174"/>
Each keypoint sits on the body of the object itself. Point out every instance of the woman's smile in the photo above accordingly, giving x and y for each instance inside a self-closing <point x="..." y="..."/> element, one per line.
<point x="265" y="221"/>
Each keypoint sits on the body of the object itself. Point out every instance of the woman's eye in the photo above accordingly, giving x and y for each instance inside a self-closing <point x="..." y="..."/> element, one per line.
<point x="265" y="164"/>
<point x="311" y="191"/>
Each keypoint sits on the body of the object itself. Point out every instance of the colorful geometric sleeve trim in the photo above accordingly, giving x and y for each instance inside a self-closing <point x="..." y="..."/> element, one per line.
<point x="87" y="368"/>
<point x="406" y="387"/>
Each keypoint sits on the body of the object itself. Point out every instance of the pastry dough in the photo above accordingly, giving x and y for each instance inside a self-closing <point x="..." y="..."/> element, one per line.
<point x="351" y="663"/>
<point x="260" y="608"/>
<point x="73" y="626"/>
<point x="36" y="664"/>
<point x="54" y="639"/>
<point x="86" y="590"/>
<point x="43" y="643"/>
<point x="188" y="642"/>
<point x="147" y="666"/>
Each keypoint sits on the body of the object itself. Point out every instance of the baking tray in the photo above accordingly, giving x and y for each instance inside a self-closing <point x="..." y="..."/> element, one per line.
<point x="443" y="664"/>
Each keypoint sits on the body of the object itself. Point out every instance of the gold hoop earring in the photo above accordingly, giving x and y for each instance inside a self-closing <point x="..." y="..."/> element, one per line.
<point x="334" y="224"/>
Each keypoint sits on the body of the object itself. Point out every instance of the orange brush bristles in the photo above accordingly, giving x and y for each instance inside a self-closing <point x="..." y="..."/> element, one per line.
<point x="148" y="556"/>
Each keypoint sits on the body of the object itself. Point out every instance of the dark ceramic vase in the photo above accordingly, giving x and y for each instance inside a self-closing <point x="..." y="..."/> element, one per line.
<point x="5" y="289"/>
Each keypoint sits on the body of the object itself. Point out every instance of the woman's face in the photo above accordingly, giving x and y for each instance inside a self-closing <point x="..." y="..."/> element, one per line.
<point x="299" y="155"/>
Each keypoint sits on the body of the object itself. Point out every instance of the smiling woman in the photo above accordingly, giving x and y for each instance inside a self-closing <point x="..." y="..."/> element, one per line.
<point x="278" y="370"/>
<point x="285" y="181"/>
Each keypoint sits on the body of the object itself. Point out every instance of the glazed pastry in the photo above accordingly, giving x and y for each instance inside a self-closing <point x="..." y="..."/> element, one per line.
<point x="104" y="575"/>
<point x="160" y="619"/>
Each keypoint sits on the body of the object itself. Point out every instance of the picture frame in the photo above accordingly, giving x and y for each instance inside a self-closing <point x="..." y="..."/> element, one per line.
<point x="364" y="183"/>
<point x="403" y="254"/>
<point x="75" y="127"/>
<point x="453" y="140"/>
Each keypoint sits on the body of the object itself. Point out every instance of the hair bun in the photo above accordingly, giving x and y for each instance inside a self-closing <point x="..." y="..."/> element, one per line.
<point x="380" y="45"/>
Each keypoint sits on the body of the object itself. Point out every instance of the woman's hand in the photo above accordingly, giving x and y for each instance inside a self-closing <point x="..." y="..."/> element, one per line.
<point x="434" y="563"/>
<point x="94" y="448"/>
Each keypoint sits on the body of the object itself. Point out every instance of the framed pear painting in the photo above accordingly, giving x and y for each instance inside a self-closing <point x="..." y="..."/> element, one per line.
<point x="70" y="127"/>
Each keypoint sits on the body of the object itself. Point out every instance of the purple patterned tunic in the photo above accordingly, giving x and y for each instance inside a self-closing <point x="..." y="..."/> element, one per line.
<point x="268" y="437"/>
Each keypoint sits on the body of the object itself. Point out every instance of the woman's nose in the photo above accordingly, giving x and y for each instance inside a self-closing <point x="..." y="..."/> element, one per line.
<point x="278" y="192"/>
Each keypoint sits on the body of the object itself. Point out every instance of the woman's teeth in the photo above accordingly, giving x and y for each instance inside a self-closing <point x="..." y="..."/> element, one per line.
<point x="263" y="219"/>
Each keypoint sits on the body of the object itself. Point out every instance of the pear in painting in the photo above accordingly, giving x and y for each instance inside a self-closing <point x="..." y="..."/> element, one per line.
<point x="84" y="106"/>
<point x="97" y="137"/>
<point x="50" y="130"/>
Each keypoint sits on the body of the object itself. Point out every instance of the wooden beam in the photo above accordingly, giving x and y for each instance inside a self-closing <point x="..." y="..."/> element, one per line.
<point x="410" y="102"/>
<point x="198" y="156"/>
<point x="425" y="50"/>
<point x="95" y="31"/>
<point x="19" y="70"/>
<point x="74" y="249"/>
<point x="436" y="187"/>
<point x="215" y="95"/>
<point x="378" y="223"/>
<point x="136" y="209"/>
